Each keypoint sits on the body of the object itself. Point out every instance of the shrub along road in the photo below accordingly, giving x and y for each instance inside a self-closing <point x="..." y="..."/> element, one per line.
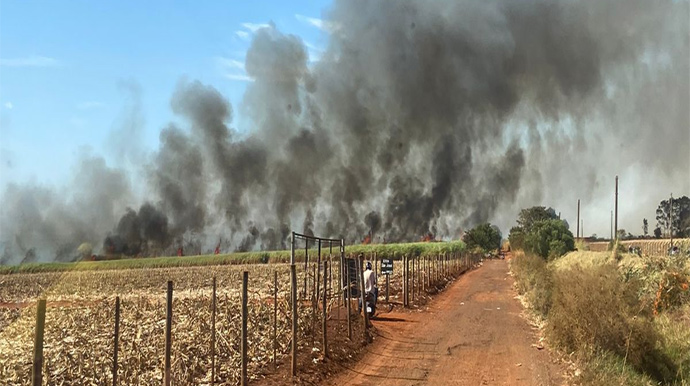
<point x="471" y="334"/>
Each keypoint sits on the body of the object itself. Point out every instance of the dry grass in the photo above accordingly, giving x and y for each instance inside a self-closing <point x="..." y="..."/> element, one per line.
<point x="593" y="309"/>
<point x="625" y="317"/>
<point x="534" y="280"/>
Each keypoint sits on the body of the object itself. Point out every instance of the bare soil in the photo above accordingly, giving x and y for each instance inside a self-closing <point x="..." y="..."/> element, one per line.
<point x="471" y="334"/>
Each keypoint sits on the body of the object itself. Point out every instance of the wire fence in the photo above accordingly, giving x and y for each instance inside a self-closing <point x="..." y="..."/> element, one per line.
<point x="208" y="326"/>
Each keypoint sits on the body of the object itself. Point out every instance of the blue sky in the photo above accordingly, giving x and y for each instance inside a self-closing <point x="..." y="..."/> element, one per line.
<point x="67" y="70"/>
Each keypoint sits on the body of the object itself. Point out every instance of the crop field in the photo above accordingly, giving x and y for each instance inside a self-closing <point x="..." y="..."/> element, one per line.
<point x="651" y="247"/>
<point x="78" y="343"/>
<point x="394" y="251"/>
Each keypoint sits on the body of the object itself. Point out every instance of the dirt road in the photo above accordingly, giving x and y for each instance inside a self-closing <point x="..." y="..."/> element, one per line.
<point x="472" y="334"/>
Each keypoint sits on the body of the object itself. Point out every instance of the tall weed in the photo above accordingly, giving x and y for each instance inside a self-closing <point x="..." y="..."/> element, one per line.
<point x="534" y="281"/>
<point x="595" y="310"/>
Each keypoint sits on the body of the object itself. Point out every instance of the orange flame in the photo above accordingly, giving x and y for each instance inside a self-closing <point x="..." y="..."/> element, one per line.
<point x="428" y="237"/>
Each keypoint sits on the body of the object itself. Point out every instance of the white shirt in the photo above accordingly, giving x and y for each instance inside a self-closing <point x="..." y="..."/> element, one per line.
<point x="369" y="280"/>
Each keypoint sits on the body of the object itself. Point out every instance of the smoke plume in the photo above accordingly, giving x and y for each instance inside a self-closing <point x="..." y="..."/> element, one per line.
<point x="421" y="117"/>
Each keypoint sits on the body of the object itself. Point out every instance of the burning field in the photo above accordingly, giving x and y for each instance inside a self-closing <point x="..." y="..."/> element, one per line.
<point x="420" y="117"/>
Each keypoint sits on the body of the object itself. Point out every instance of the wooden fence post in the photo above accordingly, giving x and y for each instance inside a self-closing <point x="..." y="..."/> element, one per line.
<point x="245" y="316"/>
<point x="437" y="273"/>
<point x="318" y="277"/>
<point x="314" y="303"/>
<point x="323" y="311"/>
<point x="406" y="282"/>
<point x="293" y="286"/>
<point x="348" y="306"/>
<point x="213" y="333"/>
<point x="168" y="333"/>
<point x="116" y="338"/>
<point x="388" y="284"/>
<point x="37" y="370"/>
<point x="314" y="290"/>
<point x="365" y="314"/>
<point x="425" y="286"/>
<point x="419" y="281"/>
<point x="275" y="317"/>
<point x="443" y="266"/>
<point x="413" y="283"/>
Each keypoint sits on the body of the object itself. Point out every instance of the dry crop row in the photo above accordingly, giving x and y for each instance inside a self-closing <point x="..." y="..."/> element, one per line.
<point x="79" y="344"/>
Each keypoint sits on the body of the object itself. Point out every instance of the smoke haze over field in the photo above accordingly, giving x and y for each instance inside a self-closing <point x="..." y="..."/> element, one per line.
<point x="420" y="117"/>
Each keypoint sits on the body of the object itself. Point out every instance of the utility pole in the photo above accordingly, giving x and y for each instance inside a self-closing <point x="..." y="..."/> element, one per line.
<point x="670" y="215"/>
<point x="615" y="222"/>
<point x="578" y="219"/>
<point x="583" y="228"/>
<point x="611" y="225"/>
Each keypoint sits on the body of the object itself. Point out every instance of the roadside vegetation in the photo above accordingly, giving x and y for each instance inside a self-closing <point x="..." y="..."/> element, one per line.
<point x="484" y="237"/>
<point x="394" y="251"/>
<point x="622" y="318"/>
<point x="541" y="232"/>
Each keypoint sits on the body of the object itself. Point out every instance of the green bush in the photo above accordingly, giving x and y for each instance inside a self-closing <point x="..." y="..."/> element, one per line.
<point x="516" y="237"/>
<point x="595" y="310"/>
<point x="549" y="239"/>
<point x="487" y="237"/>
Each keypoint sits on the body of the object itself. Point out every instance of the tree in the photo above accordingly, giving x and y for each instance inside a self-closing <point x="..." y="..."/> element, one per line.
<point x="516" y="237"/>
<point x="484" y="236"/>
<point x="657" y="232"/>
<point x="526" y="220"/>
<point x="622" y="234"/>
<point x="549" y="239"/>
<point x="680" y="223"/>
<point x="529" y="216"/>
<point x="645" y="227"/>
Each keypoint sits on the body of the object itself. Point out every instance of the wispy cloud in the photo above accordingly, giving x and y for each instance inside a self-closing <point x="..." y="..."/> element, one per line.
<point x="89" y="105"/>
<point x="31" y="61"/>
<point x="315" y="52"/>
<point x="232" y="69"/>
<point x="240" y="77"/>
<point x="242" y="34"/>
<point x="321" y="24"/>
<point x="9" y="105"/>
<point x="253" y="27"/>
<point x="230" y="63"/>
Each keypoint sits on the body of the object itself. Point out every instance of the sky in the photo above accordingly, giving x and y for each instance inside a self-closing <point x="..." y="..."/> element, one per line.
<point x="71" y="73"/>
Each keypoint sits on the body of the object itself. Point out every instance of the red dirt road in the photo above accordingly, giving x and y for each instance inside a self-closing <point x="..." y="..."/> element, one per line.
<point x="472" y="334"/>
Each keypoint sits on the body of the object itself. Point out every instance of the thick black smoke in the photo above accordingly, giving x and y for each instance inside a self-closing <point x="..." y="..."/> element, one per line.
<point x="421" y="117"/>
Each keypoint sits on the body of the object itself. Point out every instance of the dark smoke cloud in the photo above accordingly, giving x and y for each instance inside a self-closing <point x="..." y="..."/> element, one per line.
<point x="50" y="224"/>
<point x="421" y="117"/>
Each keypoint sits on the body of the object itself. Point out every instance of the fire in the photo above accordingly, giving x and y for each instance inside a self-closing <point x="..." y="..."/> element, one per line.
<point x="428" y="237"/>
<point x="367" y="240"/>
